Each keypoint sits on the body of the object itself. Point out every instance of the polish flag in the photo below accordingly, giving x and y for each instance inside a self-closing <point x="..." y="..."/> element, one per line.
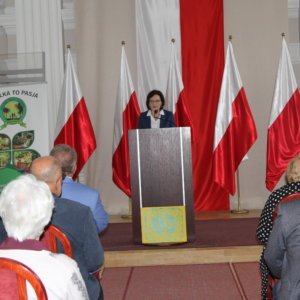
<point x="73" y="126"/>
<point x="284" y="126"/>
<point x="126" y="117"/>
<point x="235" y="130"/>
<point x="175" y="95"/>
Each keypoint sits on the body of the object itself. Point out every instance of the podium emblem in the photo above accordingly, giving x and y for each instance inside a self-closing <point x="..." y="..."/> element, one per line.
<point x="164" y="224"/>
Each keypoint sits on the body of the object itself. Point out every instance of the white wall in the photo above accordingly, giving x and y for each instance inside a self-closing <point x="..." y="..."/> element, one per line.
<point x="100" y="28"/>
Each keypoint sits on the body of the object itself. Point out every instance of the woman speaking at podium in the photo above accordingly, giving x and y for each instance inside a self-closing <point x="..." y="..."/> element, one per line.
<point x="156" y="116"/>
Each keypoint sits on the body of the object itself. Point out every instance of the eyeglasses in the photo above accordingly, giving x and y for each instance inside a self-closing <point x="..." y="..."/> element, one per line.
<point x="155" y="101"/>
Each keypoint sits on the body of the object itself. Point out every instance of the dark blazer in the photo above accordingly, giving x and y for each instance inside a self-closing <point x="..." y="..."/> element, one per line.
<point x="167" y="120"/>
<point x="76" y="221"/>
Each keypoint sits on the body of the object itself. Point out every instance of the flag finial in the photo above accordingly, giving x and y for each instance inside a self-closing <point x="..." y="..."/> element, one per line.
<point x="123" y="43"/>
<point x="173" y="40"/>
<point x="283" y="34"/>
<point x="230" y="37"/>
<point x="68" y="46"/>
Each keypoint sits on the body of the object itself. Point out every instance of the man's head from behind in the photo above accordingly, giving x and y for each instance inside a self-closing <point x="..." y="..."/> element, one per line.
<point x="48" y="169"/>
<point x="67" y="157"/>
<point x="26" y="206"/>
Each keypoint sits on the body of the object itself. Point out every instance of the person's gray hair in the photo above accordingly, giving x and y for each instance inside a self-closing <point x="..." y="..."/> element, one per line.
<point x="26" y="206"/>
<point x="67" y="157"/>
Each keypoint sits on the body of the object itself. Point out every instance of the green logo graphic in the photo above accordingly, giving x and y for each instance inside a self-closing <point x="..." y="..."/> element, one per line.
<point x="12" y="112"/>
<point x="14" y="154"/>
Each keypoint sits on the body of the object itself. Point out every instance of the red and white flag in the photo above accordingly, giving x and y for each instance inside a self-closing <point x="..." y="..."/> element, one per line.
<point x="197" y="27"/>
<point x="284" y="126"/>
<point x="74" y="127"/>
<point x="126" y="117"/>
<point x="175" y="95"/>
<point x="235" y="130"/>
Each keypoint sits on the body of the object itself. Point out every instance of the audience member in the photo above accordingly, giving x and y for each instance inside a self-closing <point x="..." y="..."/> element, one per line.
<point x="266" y="224"/>
<point x="282" y="253"/>
<point x="26" y="207"/>
<point x="156" y="116"/>
<point x="76" y="221"/>
<point x="76" y="191"/>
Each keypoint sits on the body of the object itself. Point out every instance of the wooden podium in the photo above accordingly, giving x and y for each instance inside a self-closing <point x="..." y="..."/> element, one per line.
<point x="161" y="173"/>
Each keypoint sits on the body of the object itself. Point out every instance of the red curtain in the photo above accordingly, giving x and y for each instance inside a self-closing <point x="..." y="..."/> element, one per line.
<point x="202" y="43"/>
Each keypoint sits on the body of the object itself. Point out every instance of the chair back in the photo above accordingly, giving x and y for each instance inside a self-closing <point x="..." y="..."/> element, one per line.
<point x="23" y="274"/>
<point x="53" y="234"/>
<point x="283" y="200"/>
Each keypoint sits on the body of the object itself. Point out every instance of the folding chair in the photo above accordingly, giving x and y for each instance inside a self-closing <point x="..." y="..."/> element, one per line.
<point x="53" y="234"/>
<point x="23" y="274"/>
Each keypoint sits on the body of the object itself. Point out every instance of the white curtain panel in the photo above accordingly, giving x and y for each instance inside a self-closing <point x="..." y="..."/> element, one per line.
<point x="157" y="22"/>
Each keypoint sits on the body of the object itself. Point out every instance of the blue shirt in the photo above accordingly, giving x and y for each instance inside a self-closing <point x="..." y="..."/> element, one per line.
<point x="87" y="196"/>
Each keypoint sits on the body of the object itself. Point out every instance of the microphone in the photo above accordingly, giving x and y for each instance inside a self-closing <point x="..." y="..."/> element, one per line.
<point x="155" y="112"/>
<point x="162" y="117"/>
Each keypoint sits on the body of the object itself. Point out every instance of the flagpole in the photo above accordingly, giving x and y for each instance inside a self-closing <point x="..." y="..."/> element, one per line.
<point x="239" y="210"/>
<point x="129" y="215"/>
<point x="77" y="178"/>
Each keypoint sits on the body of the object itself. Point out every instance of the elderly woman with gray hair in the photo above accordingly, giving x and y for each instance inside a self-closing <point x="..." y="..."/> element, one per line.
<point x="266" y="223"/>
<point x="26" y="206"/>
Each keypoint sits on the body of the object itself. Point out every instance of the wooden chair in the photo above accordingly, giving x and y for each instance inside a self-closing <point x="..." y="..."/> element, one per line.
<point x="272" y="280"/>
<point x="283" y="200"/>
<point x="53" y="234"/>
<point x="24" y="274"/>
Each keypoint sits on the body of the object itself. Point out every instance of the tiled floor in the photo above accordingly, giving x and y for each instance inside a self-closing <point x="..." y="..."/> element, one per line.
<point x="206" y="281"/>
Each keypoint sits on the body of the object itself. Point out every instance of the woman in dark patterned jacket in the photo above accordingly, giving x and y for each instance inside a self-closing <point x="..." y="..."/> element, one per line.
<point x="265" y="224"/>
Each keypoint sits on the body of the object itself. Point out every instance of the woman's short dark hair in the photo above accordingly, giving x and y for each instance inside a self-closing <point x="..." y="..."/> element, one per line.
<point x="153" y="93"/>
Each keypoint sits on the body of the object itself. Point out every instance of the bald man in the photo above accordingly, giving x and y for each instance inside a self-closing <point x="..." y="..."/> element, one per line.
<point x="76" y="221"/>
<point x="48" y="170"/>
